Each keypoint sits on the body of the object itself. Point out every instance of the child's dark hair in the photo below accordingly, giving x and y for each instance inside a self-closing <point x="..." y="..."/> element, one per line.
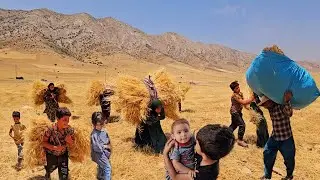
<point x="215" y="141"/>
<point x="97" y="117"/>
<point x="62" y="111"/>
<point x="233" y="85"/>
<point x="16" y="114"/>
<point x="179" y="121"/>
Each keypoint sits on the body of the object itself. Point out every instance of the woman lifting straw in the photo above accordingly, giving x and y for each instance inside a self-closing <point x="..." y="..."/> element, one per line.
<point x="51" y="101"/>
<point x="149" y="132"/>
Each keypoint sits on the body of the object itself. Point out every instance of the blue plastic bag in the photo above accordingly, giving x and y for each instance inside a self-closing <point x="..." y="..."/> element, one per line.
<point x="272" y="74"/>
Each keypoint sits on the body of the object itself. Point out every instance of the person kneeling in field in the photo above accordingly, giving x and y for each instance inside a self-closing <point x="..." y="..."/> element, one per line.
<point x="213" y="142"/>
<point x="56" y="141"/>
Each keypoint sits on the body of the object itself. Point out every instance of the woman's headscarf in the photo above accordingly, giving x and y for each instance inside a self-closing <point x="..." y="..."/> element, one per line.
<point x="155" y="104"/>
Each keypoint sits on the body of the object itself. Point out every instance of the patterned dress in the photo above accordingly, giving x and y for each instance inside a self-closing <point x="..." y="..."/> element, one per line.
<point x="51" y="103"/>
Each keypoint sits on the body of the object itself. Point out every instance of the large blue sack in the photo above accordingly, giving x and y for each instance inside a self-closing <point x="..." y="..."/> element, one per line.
<point x="271" y="74"/>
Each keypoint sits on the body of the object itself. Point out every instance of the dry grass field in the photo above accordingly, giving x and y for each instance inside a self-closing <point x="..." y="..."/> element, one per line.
<point x="208" y="101"/>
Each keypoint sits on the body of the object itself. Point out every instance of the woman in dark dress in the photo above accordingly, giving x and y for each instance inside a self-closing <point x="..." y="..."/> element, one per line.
<point x="149" y="132"/>
<point x="51" y="101"/>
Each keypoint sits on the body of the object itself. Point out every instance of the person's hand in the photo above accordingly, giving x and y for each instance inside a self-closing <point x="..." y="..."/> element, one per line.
<point x="169" y="145"/>
<point x="288" y="96"/>
<point x="192" y="173"/>
<point x="59" y="148"/>
<point x="69" y="140"/>
<point x="107" y="146"/>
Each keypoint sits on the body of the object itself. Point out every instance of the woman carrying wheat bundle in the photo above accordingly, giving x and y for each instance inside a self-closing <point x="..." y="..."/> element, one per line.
<point x="149" y="132"/>
<point x="51" y="101"/>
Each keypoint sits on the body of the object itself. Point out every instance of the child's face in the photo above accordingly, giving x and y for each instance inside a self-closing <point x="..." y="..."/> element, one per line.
<point x="99" y="126"/>
<point x="181" y="133"/>
<point x="237" y="89"/>
<point x="158" y="110"/>
<point x="51" y="87"/>
<point x="63" y="122"/>
<point x="16" y="119"/>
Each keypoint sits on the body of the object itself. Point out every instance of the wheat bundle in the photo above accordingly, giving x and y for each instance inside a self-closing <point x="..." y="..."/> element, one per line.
<point x="168" y="92"/>
<point x="35" y="155"/>
<point x="274" y="48"/>
<point x="81" y="145"/>
<point x="63" y="98"/>
<point x="38" y="90"/>
<point x="132" y="98"/>
<point x="255" y="117"/>
<point x="183" y="88"/>
<point x="96" y="88"/>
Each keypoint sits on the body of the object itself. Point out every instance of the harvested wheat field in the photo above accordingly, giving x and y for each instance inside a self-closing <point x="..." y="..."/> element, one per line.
<point x="207" y="101"/>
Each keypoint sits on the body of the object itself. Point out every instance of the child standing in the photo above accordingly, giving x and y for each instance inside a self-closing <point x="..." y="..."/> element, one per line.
<point x="56" y="142"/>
<point x="182" y="156"/>
<point x="18" y="130"/>
<point x="100" y="147"/>
<point x="237" y="103"/>
<point x="105" y="102"/>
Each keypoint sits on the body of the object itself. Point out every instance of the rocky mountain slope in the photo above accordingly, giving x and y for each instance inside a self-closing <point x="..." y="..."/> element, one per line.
<point x="84" y="37"/>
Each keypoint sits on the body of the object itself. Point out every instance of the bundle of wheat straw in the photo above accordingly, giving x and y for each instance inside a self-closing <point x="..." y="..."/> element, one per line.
<point x="34" y="154"/>
<point x="63" y="98"/>
<point x="274" y="48"/>
<point x="96" y="88"/>
<point x="168" y="92"/>
<point x="81" y="145"/>
<point x="38" y="90"/>
<point x="255" y="117"/>
<point x="132" y="98"/>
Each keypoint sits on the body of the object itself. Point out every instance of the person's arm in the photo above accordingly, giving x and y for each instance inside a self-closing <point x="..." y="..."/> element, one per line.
<point x="175" y="157"/>
<point x="46" y="144"/>
<point x="96" y="146"/>
<point x="10" y="132"/>
<point x="154" y="117"/>
<point x="56" y="94"/>
<point x="180" y="168"/>
<point x="244" y="101"/>
<point x="46" y="95"/>
<point x="287" y="108"/>
<point x="162" y="114"/>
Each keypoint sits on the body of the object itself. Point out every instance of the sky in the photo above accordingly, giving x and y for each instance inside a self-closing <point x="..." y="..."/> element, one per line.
<point x="246" y="25"/>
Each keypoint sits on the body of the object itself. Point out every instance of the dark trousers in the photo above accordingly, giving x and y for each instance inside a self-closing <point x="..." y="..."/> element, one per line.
<point x="286" y="148"/>
<point x="237" y="121"/>
<point x="60" y="162"/>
